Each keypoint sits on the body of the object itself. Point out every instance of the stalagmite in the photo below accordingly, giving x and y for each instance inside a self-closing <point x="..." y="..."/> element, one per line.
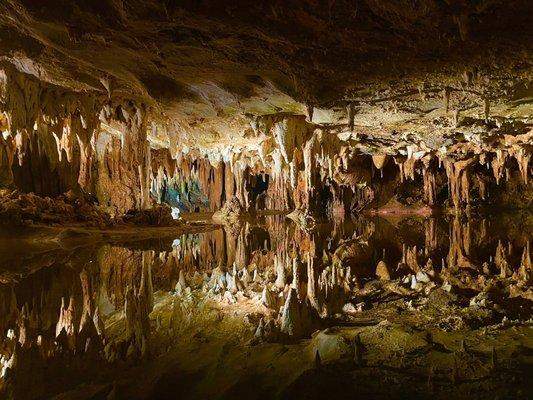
<point x="294" y="316"/>
<point x="382" y="271"/>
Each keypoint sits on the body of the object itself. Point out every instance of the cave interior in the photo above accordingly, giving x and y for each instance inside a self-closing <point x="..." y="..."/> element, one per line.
<point x="271" y="199"/>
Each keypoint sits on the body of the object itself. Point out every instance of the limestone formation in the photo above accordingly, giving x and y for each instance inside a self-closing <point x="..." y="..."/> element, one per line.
<point x="183" y="181"/>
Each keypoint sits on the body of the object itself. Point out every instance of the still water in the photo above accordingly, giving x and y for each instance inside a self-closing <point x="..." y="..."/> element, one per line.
<point x="81" y="311"/>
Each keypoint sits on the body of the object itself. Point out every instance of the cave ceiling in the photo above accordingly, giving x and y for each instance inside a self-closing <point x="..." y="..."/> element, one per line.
<point x="207" y="70"/>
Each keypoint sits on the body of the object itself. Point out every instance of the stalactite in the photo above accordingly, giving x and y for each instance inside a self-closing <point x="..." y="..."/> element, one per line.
<point x="289" y="133"/>
<point x="56" y="132"/>
<point x="498" y="164"/>
<point x="407" y="167"/>
<point x="459" y="180"/>
<point x="36" y="109"/>
<point x="430" y="185"/>
<point x="380" y="160"/>
<point x="522" y="156"/>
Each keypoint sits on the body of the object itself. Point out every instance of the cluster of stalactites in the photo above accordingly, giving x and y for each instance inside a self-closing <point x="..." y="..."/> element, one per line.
<point x="74" y="127"/>
<point x="296" y="172"/>
<point x="459" y="171"/>
<point x="217" y="179"/>
<point x="62" y="122"/>
<point x="300" y="160"/>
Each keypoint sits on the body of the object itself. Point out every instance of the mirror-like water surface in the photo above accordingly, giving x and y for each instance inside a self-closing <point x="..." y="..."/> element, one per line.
<point x="74" y="305"/>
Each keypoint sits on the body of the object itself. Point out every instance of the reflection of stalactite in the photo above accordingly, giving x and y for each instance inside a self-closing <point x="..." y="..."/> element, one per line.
<point x="330" y="286"/>
<point x="334" y="286"/>
<point x="523" y="158"/>
<point x="312" y="284"/>
<point x="86" y="286"/>
<point x="410" y="257"/>
<point x="242" y="253"/>
<point x="483" y="231"/>
<point x="430" y="230"/>
<point x="138" y="305"/>
<point x="336" y="207"/>
<point x="482" y="186"/>
<point x="8" y="306"/>
<point x="458" y="254"/>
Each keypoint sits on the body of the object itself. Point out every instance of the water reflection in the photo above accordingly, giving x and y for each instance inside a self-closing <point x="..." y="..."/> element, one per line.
<point x="69" y="304"/>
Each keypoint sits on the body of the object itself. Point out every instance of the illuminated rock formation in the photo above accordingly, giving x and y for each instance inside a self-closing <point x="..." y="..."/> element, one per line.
<point x="168" y="168"/>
